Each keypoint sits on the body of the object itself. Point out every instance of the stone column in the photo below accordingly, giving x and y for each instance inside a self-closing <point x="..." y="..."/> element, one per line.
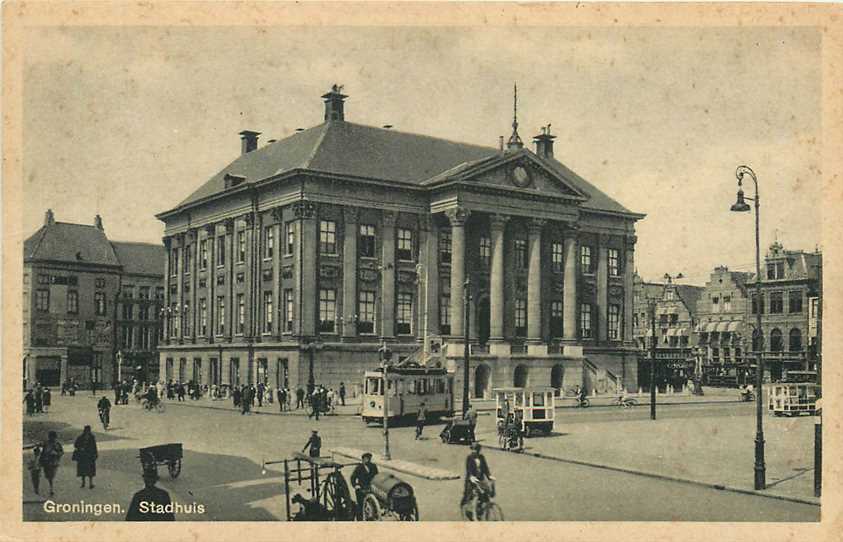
<point x="351" y="217"/>
<point x="307" y="246"/>
<point x="62" y="370"/>
<point x="194" y="284"/>
<point x="428" y="256"/>
<point x="211" y="281"/>
<point x="569" y="284"/>
<point x="278" y="310"/>
<point x="534" y="288"/>
<point x="248" y="275"/>
<point x="388" y="276"/>
<point x="230" y="317"/>
<point x="603" y="288"/>
<point x="497" y="225"/>
<point x="179" y="265"/>
<point x="458" y="217"/>
<point x="165" y="318"/>
<point x="628" y="288"/>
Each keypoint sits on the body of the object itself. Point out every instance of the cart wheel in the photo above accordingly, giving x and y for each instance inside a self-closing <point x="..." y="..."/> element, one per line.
<point x="412" y="515"/>
<point x="492" y="512"/>
<point x="444" y="438"/>
<point x="371" y="508"/>
<point x="174" y="468"/>
<point x="336" y="497"/>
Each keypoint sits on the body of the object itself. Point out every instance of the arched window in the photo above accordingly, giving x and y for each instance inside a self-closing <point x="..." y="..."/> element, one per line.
<point x="520" y="377"/>
<point x="795" y="340"/>
<point x="756" y="341"/>
<point x="776" y="340"/>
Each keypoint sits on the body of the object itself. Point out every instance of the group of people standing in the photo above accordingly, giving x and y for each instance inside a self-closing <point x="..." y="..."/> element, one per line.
<point x="46" y="458"/>
<point x="37" y="400"/>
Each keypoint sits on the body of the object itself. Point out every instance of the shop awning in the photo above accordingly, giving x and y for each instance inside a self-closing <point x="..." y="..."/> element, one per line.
<point x="734" y="325"/>
<point x="722" y="326"/>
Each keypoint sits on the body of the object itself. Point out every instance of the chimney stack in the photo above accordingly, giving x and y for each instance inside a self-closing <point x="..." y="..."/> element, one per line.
<point x="49" y="219"/>
<point x="249" y="141"/>
<point x="334" y="104"/>
<point x="98" y="222"/>
<point x="544" y="143"/>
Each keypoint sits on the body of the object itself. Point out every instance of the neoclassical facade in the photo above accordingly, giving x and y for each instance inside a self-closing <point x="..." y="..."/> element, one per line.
<point x="313" y="250"/>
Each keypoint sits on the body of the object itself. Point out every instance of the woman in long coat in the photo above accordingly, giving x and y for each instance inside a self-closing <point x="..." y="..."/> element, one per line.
<point x="85" y="455"/>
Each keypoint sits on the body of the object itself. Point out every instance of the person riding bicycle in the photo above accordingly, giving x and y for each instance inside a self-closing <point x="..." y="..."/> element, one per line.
<point x="477" y="474"/>
<point x="104" y="410"/>
<point x="152" y="398"/>
<point x="580" y="394"/>
<point x="361" y="480"/>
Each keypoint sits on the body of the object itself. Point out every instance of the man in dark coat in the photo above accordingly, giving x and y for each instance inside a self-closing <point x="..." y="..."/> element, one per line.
<point x="299" y="398"/>
<point x="314" y="443"/>
<point x="245" y="400"/>
<point x="85" y="454"/>
<point x="261" y="389"/>
<point x="235" y="396"/>
<point x="47" y="399"/>
<point x="282" y="398"/>
<point x="342" y="393"/>
<point x="421" y="417"/>
<point x="154" y="499"/>
<point x="361" y="480"/>
<point x="39" y="398"/>
<point x="476" y="471"/>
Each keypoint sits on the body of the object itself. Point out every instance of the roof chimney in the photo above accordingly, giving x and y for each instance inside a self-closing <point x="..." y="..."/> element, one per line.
<point x="49" y="219"/>
<point x="544" y="143"/>
<point x="98" y="222"/>
<point x="334" y="104"/>
<point x="248" y="141"/>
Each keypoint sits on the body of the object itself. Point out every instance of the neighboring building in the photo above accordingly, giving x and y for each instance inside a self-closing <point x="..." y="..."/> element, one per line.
<point x="722" y="311"/>
<point x="72" y="281"/>
<point x="676" y="318"/>
<point x="327" y="243"/>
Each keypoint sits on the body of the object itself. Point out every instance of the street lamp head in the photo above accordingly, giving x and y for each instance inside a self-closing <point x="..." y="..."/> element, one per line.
<point x="740" y="206"/>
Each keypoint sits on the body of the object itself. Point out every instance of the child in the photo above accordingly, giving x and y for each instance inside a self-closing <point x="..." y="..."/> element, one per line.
<point x="35" y="469"/>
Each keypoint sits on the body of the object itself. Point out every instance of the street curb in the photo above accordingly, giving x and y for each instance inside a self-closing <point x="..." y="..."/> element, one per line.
<point x="260" y="412"/>
<point x="483" y="408"/>
<point x="404" y="467"/>
<point x="722" y="487"/>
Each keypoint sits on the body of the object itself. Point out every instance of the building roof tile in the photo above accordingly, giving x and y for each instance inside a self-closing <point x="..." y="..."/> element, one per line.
<point x="140" y="258"/>
<point x="64" y="242"/>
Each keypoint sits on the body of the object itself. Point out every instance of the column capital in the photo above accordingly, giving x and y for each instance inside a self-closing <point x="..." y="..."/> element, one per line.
<point x="535" y="225"/>
<point x="571" y="230"/>
<point x="498" y="222"/>
<point x="458" y="215"/>
<point x="304" y="209"/>
<point x="276" y="214"/>
<point x="167" y="241"/>
<point x="603" y="239"/>
<point x="631" y="239"/>
<point x="389" y="218"/>
<point x="425" y="222"/>
<point x="229" y="225"/>
<point x="211" y="229"/>
<point x="351" y="215"/>
<point x="248" y="218"/>
<point x="192" y="234"/>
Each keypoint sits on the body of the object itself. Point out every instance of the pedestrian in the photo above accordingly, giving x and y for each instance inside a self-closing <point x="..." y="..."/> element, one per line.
<point x="51" y="452"/>
<point x="269" y="394"/>
<point x="235" y="396"/>
<point x="29" y="399"/>
<point x="315" y="406"/>
<point x="34" y="467"/>
<point x="342" y="393"/>
<point x="299" y="398"/>
<point x="64" y="388"/>
<point x="180" y="391"/>
<point x="261" y="389"/>
<point x="361" y="480"/>
<point x="288" y="398"/>
<point x="282" y="398"/>
<point x="314" y="443"/>
<point x="156" y="501"/>
<point x="421" y="417"/>
<point x="85" y="454"/>
<point x="117" y="394"/>
<point x="471" y="416"/>
<point x="39" y="398"/>
<point x="245" y="400"/>
<point x="47" y="400"/>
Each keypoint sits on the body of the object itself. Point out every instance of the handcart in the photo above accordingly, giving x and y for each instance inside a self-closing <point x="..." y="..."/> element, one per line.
<point x="163" y="454"/>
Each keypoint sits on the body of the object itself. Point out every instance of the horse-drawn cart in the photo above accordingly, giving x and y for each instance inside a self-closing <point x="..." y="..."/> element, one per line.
<point x="163" y="454"/>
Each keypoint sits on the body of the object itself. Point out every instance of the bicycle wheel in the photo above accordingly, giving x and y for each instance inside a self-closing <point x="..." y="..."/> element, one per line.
<point x="492" y="512"/>
<point x="160" y="406"/>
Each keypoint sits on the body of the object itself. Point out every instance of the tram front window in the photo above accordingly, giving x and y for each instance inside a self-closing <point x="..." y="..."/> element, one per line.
<point x="373" y="386"/>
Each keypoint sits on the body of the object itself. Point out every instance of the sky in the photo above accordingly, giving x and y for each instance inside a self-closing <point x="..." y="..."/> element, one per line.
<point x="126" y="122"/>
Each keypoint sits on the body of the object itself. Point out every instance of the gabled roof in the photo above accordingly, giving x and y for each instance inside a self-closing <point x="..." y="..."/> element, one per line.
<point x="346" y="148"/>
<point x="70" y="243"/>
<point x="690" y="295"/>
<point x="140" y="258"/>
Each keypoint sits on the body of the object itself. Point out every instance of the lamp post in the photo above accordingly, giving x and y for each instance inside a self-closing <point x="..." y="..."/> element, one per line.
<point x="466" y="350"/>
<point x="386" y="355"/>
<point x="742" y="206"/>
<point x="652" y="303"/>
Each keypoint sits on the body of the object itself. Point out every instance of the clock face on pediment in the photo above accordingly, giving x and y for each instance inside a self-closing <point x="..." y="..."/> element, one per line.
<point x="521" y="176"/>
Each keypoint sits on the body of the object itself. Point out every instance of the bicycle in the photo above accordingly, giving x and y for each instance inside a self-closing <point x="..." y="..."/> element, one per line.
<point x="625" y="402"/>
<point x="157" y="406"/>
<point x="481" y="506"/>
<point x="105" y="418"/>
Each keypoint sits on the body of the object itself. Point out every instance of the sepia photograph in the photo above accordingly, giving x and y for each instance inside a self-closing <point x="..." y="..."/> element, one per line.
<point x="355" y="269"/>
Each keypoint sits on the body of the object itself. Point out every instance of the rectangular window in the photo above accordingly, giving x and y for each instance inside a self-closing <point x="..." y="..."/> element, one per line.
<point x="674" y="319"/>
<point x="556" y="318"/>
<point x="367" y="241"/>
<point x="221" y="250"/>
<point x="42" y="300"/>
<point x="614" y="262"/>
<point x="99" y="303"/>
<point x="159" y="292"/>
<point x="220" y="315"/>
<point x="366" y="312"/>
<point x="520" y="317"/>
<point x="327" y="310"/>
<point x="99" y="283"/>
<point x="485" y="250"/>
<point x="288" y="311"/>
<point x="445" y="246"/>
<point x="585" y="321"/>
<point x="203" y="316"/>
<point x="756" y="306"/>
<point x="72" y="302"/>
<point x="405" y="245"/>
<point x="127" y="311"/>
<point x="779" y="270"/>
<point x="585" y="259"/>
<point x="128" y="291"/>
<point x="520" y="254"/>
<point x="203" y="254"/>
<point x="267" y="312"/>
<point x="241" y="246"/>
<point x="174" y="261"/>
<point x="715" y="304"/>
<point x="174" y="319"/>
<point x="268" y="241"/>
<point x="556" y="257"/>
<point x="241" y="313"/>
<point x="727" y="303"/>
<point x="290" y="236"/>
<point x="404" y="316"/>
<point x="776" y="302"/>
<point x="445" y="315"/>
<point x="188" y="252"/>
<point x="143" y="292"/>
<point x="143" y="312"/>
<point x="795" y="301"/>
<point x="327" y="237"/>
<point x="186" y="320"/>
<point x="615" y="322"/>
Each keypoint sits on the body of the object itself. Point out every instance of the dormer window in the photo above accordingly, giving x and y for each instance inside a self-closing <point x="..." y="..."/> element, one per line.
<point x="233" y="180"/>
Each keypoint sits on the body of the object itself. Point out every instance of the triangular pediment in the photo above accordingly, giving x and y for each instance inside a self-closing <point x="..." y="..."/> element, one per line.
<point x="521" y="172"/>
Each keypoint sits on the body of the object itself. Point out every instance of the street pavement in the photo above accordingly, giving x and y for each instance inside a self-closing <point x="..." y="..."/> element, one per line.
<point x="224" y="451"/>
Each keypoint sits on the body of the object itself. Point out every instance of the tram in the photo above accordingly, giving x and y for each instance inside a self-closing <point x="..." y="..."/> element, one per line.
<point x="407" y="387"/>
